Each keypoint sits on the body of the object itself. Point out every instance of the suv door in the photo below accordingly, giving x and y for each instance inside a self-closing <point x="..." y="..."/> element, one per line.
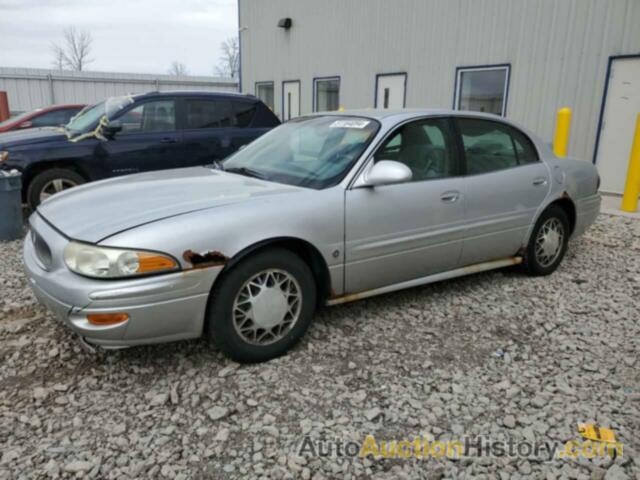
<point x="149" y="139"/>
<point x="396" y="233"/>
<point x="505" y="184"/>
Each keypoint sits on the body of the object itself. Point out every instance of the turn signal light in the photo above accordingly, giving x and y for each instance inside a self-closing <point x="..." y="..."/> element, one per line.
<point x="149" y="262"/>
<point x="107" y="318"/>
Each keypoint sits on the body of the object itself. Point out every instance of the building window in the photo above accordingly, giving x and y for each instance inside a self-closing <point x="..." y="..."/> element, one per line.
<point x="482" y="89"/>
<point x="264" y="91"/>
<point x="326" y="94"/>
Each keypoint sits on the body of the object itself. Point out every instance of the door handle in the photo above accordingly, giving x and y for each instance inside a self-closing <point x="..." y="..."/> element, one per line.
<point x="537" y="182"/>
<point x="450" y="197"/>
<point x="168" y="140"/>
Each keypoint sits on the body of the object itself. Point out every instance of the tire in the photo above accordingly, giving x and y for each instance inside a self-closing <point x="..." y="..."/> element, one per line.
<point x="234" y="332"/>
<point x="44" y="181"/>
<point x="539" y="260"/>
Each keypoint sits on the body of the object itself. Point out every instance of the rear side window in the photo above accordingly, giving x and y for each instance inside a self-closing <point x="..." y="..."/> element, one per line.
<point x="50" y="119"/>
<point x="219" y="113"/>
<point x="244" y="113"/>
<point x="209" y="113"/>
<point x="491" y="146"/>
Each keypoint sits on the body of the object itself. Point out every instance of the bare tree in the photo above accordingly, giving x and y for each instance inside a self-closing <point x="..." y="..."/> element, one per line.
<point x="178" y="68"/>
<point x="229" y="62"/>
<point x="75" y="50"/>
<point x="58" y="58"/>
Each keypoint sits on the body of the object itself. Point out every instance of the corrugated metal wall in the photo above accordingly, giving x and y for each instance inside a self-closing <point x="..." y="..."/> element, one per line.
<point x="29" y="88"/>
<point x="558" y="51"/>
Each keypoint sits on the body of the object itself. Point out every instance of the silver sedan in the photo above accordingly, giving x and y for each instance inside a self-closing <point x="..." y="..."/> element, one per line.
<point x="322" y="210"/>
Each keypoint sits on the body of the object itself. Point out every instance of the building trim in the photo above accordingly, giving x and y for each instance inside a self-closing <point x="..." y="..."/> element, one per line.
<point x="603" y="104"/>
<point x="315" y="79"/>
<point x="393" y="74"/>
<point x="498" y="66"/>
<point x="299" y="97"/>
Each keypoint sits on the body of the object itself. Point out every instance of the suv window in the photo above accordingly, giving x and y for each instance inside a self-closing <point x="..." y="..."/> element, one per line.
<point x="154" y="116"/>
<point x="491" y="146"/>
<point x="427" y="147"/>
<point x="219" y="113"/>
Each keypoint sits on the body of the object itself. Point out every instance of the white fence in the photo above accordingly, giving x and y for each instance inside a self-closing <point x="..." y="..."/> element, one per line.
<point x="29" y="88"/>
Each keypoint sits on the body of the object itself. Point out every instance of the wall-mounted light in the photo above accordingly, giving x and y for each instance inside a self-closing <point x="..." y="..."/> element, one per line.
<point x="285" y="23"/>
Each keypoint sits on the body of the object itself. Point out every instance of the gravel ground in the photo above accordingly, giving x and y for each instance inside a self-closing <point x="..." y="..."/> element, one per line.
<point x="498" y="354"/>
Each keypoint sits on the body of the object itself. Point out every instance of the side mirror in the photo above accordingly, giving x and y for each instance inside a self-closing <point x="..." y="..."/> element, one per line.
<point x="26" y="124"/>
<point x="386" y="172"/>
<point x="111" y="128"/>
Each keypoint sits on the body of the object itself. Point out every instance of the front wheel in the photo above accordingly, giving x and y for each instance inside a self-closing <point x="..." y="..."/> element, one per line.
<point x="548" y="242"/>
<point x="49" y="183"/>
<point x="262" y="306"/>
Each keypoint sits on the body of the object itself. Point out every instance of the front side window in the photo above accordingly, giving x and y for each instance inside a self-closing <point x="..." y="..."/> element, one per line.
<point x="327" y="94"/>
<point x="155" y="116"/>
<point x="314" y="152"/>
<point x="491" y="146"/>
<point x="482" y="89"/>
<point x="427" y="147"/>
<point x="264" y="91"/>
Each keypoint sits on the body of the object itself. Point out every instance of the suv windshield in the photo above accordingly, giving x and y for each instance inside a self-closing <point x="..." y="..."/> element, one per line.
<point x="314" y="152"/>
<point x="89" y="116"/>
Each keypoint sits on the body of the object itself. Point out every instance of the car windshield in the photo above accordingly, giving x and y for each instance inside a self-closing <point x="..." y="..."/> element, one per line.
<point x="89" y="116"/>
<point x="314" y="152"/>
<point x="17" y="118"/>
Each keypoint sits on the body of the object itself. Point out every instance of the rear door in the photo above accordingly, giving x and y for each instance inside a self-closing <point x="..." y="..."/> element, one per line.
<point x="505" y="184"/>
<point x="401" y="232"/>
<point x="214" y="128"/>
<point x="149" y="139"/>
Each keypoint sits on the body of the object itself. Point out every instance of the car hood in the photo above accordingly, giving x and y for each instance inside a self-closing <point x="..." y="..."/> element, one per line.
<point x="30" y="136"/>
<point x="96" y="211"/>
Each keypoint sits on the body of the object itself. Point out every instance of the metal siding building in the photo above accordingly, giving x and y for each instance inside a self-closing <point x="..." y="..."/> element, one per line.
<point x="30" y="88"/>
<point x="558" y="52"/>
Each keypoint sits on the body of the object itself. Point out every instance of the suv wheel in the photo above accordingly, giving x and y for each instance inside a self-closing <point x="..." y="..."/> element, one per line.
<point x="262" y="306"/>
<point x="49" y="183"/>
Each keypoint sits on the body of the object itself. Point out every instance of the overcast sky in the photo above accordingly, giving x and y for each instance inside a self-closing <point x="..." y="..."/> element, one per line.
<point x="141" y="36"/>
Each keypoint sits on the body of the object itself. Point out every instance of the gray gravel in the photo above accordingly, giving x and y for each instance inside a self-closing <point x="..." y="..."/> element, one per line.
<point x="498" y="354"/>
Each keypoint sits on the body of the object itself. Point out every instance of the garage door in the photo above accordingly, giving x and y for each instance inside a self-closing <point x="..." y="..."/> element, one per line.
<point x="621" y="108"/>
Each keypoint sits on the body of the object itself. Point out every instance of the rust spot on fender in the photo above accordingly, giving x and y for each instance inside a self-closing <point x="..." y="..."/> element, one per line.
<point x="206" y="259"/>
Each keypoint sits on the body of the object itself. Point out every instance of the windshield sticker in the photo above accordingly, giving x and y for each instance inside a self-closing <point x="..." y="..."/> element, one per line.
<point x="349" y="124"/>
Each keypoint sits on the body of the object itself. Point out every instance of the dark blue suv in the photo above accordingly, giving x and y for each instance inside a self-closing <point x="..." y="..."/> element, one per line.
<point x="132" y="134"/>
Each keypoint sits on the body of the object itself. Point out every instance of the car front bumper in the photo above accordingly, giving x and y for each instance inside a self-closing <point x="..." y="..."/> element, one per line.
<point x="161" y="308"/>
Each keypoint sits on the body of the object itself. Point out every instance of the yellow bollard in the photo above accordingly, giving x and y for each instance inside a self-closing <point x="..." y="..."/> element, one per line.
<point x="561" y="137"/>
<point x="632" y="187"/>
<point x="341" y="109"/>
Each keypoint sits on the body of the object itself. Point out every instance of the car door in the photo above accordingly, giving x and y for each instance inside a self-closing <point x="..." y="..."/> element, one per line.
<point x="505" y="184"/>
<point x="400" y="232"/>
<point x="149" y="139"/>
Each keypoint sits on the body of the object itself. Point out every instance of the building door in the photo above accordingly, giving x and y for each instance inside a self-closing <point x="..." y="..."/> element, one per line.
<point x="621" y="108"/>
<point x="290" y="100"/>
<point x="390" y="90"/>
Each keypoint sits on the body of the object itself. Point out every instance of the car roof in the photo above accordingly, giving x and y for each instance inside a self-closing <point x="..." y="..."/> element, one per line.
<point x="195" y="93"/>
<point x="380" y="114"/>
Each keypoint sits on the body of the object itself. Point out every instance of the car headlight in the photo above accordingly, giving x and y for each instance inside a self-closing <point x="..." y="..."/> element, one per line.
<point x="107" y="262"/>
<point x="3" y="156"/>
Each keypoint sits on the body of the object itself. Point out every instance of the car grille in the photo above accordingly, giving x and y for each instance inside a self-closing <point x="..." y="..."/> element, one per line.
<point x="43" y="252"/>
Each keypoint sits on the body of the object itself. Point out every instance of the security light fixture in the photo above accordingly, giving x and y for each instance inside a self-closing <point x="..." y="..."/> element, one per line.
<point x="285" y="23"/>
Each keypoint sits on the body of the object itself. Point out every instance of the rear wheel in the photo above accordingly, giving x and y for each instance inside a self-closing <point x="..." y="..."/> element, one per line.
<point x="50" y="182"/>
<point x="548" y="242"/>
<point x="262" y="306"/>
